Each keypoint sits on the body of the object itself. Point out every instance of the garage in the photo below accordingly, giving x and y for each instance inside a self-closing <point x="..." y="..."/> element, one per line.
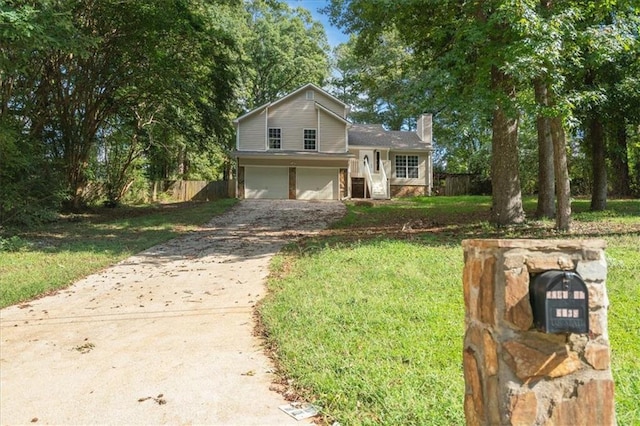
<point x="316" y="183"/>
<point x="266" y="182"/>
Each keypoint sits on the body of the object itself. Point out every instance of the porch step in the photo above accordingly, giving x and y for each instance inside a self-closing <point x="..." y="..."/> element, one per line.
<point x="378" y="191"/>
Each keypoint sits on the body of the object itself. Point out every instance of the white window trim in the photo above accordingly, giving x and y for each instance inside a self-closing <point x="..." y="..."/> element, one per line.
<point x="406" y="166"/>
<point x="315" y="139"/>
<point x="269" y="138"/>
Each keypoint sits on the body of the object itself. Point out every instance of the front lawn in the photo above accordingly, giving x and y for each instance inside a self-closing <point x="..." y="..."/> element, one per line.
<point x="367" y="319"/>
<point x="37" y="261"/>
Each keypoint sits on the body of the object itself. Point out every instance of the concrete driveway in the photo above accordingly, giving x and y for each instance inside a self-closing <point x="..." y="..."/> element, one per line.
<point x="164" y="337"/>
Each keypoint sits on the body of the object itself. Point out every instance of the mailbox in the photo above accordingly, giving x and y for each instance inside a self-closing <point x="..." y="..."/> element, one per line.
<point x="560" y="302"/>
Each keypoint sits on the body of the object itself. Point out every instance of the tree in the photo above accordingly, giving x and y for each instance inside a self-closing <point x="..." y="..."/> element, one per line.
<point x="119" y="59"/>
<point x="468" y="44"/>
<point x="387" y="88"/>
<point x="284" y="48"/>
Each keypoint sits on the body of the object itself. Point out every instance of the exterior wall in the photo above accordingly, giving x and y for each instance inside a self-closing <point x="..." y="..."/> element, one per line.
<point x="240" y="183"/>
<point x="332" y="135"/>
<point x="422" y="170"/>
<point x="356" y="163"/>
<point x="399" y="191"/>
<point x="343" y="184"/>
<point x="292" y="116"/>
<point x="329" y="103"/>
<point x="292" y="183"/>
<point x="288" y="162"/>
<point x="251" y="133"/>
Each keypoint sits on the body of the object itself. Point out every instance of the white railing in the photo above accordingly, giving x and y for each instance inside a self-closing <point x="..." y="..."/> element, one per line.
<point x="384" y="180"/>
<point x="381" y="190"/>
<point x="368" y="178"/>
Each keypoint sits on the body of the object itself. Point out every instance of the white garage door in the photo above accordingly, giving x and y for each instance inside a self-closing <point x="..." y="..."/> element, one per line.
<point x="316" y="184"/>
<point x="266" y="182"/>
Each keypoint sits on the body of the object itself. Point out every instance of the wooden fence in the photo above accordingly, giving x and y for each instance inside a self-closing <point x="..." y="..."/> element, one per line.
<point x="453" y="184"/>
<point x="194" y="190"/>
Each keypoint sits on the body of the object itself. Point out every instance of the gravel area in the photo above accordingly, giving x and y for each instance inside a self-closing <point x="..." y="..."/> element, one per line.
<point x="163" y="337"/>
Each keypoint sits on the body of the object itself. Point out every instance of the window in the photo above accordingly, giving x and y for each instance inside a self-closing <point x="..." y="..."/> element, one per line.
<point x="275" y="138"/>
<point x="376" y="166"/>
<point x="310" y="139"/>
<point x="309" y="95"/>
<point x="407" y="166"/>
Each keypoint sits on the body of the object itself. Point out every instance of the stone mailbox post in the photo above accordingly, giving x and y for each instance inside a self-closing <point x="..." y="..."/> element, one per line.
<point x="521" y="373"/>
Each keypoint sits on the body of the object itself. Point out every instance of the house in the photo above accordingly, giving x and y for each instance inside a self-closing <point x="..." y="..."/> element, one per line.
<point x="303" y="147"/>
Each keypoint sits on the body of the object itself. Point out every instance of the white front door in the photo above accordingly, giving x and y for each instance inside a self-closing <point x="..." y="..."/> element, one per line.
<point x="368" y="155"/>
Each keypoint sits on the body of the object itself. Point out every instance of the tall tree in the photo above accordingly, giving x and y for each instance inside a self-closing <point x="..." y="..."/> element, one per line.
<point x="469" y="45"/>
<point x="284" y="48"/>
<point x="546" y="174"/>
<point x="387" y="88"/>
<point x="118" y="59"/>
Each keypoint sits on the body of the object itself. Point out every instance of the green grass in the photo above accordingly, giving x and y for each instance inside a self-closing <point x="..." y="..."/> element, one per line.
<point x="368" y="320"/>
<point x="56" y="255"/>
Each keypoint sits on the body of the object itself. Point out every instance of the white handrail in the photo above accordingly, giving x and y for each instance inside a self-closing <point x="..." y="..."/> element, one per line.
<point x="384" y="178"/>
<point x="367" y="174"/>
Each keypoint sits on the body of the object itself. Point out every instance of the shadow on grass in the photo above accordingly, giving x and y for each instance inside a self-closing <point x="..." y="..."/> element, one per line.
<point x="121" y="230"/>
<point x="447" y="221"/>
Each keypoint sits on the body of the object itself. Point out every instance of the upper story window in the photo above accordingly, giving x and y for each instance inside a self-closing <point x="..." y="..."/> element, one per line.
<point x="407" y="166"/>
<point x="309" y="139"/>
<point x="275" y="138"/>
<point x="309" y="95"/>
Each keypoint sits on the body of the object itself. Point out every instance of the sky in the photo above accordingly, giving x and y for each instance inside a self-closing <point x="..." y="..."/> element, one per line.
<point x="334" y="35"/>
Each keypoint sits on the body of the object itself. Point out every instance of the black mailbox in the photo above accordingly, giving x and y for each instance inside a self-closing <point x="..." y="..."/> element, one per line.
<point x="560" y="302"/>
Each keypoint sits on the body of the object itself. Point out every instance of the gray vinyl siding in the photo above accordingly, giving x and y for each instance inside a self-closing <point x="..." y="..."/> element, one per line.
<point x="330" y="104"/>
<point x="252" y="132"/>
<point x="422" y="170"/>
<point x="332" y="134"/>
<point x="292" y="116"/>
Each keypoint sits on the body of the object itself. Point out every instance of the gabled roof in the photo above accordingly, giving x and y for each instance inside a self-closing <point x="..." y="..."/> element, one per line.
<point x="289" y="95"/>
<point x="331" y="113"/>
<point x="375" y="135"/>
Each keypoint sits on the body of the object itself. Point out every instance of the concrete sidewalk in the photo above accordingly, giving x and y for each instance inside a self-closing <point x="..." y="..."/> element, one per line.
<point x="164" y="337"/>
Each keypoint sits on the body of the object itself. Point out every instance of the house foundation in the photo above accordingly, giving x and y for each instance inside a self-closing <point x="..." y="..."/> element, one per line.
<point x="516" y="374"/>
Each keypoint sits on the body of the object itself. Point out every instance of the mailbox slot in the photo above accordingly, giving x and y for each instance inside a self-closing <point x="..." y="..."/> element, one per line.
<point x="560" y="302"/>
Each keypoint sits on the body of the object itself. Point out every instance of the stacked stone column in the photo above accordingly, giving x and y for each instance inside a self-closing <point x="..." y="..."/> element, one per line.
<point x="514" y="374"/>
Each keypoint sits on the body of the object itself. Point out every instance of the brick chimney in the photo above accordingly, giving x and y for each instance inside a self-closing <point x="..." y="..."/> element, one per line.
<point x="424" y="128"/>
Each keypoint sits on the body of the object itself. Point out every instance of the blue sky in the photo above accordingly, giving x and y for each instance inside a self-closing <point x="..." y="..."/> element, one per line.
<point x="334" y="35"/>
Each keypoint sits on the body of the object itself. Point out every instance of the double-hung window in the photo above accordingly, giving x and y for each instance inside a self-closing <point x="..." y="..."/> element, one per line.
<point x="309" y="139"/>
<point x="275" y="138"/>
<point x="407" y="166"/>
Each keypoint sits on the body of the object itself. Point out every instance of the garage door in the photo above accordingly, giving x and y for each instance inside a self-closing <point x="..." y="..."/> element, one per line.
<point x="316" y="184"/>
<point x="266" y="182"/>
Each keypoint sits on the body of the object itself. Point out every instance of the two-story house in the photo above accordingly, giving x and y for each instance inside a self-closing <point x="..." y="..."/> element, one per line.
<point x="302" y="146"/>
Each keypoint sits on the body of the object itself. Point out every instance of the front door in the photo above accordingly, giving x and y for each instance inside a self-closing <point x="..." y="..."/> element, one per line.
<point x="368" y="155"/>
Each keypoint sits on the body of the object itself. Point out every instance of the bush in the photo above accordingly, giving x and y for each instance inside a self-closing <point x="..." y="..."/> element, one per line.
<point x="30" y="192"/>
<point x="12" y="244"/>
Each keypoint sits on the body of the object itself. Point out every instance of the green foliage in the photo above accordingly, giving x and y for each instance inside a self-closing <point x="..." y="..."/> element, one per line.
<point x="12" y="244"/>
<point x="284" y="48"/>
<point x="29" y="185"/>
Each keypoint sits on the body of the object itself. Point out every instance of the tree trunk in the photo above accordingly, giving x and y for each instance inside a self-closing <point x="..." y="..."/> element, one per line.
<point x="505" y="176"/>
<point x="546" y="184"/>
<point x="620" y="160"/>
<point x="563" y="188"/>
<point x="595" y="135"/>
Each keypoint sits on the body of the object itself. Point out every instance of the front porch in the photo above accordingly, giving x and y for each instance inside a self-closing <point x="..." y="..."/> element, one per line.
<point x="370" y="180"/>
